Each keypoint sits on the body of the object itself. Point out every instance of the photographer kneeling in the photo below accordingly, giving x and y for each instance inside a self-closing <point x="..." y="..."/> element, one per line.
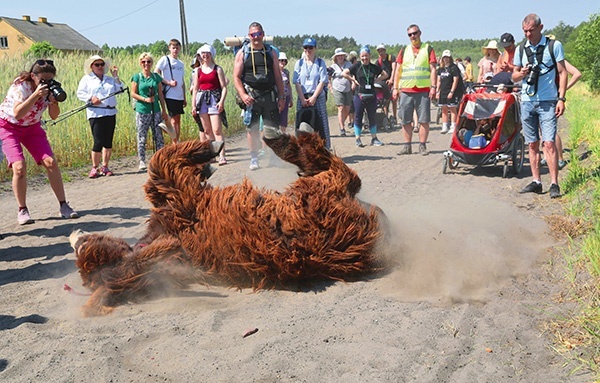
<point x="20" y="125"/>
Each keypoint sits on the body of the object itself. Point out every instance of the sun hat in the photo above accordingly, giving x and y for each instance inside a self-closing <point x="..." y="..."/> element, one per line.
<point x="491" y="45"/>
<point x="87" y="65"/>
<point x="380" y="46"/>
<point x="339" y="52"/>
<point x="506" y="40"/>
<point x="446" y="53"/>
<point x="352" y="54"/>
<point x="207" y="49"/>
<point x="283" y="56"/>
<point x="309" y="42"/>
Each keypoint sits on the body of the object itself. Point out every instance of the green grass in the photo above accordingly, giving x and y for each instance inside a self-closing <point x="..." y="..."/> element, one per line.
<point x="582" y="204"/>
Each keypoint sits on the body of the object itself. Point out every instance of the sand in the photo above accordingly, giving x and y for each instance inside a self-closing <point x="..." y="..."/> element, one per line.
<point x="473" y="283"/>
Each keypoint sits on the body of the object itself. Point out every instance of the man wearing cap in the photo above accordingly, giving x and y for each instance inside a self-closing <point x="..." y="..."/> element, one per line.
<point x="542" y="99"/>
<point x="257" y="79"/>
<point x="171" y="69"/>
<point x="383" y="61"/>
<point x="505" y="62"/>
<point x="311" y="81"/>
<point x="415" y="84"/>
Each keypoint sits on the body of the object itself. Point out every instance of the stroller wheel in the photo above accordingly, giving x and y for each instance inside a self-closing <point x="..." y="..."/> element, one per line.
<point x="445" y="165"/>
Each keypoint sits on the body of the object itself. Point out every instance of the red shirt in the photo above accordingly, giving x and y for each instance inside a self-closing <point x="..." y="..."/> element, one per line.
<point x="208" y="81"/>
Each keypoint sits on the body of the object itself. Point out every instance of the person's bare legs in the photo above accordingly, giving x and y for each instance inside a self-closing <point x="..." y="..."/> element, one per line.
<point x="534" y="160"/>
<point x="551" y="156"/>
<point x="176" y="123"/>
<point x="559" y="147"/>
<point x="96" y="157"/>
<point x="106" y="153"/>
<point x="19" y="182"/>
<point x="55" y="178"/>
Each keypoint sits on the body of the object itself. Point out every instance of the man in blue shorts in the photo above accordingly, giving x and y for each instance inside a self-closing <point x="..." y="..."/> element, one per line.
<point x="542" y="99"/>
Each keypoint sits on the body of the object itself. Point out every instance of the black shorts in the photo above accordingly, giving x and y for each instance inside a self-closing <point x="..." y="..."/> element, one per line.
<point x="174" y="107"/>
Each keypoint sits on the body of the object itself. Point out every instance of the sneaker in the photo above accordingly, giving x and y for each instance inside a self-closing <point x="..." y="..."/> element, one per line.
<point x="543" y="162"/>
<point x="561" y="164"/>
<point x="554" y="191"/>
<point x="423" y="150"/>
<point x="451" y="130"/>
<point x="222" y="161"/>
<point x="23" y="217"/>
<point x="261" y="153"/>
<point x="343" y="133"/>
<point x="94" y="173"/>
<point x="253" y="164"/>
<point x="142" y="165"/>
<point x="359" y="143"/>
<point x="375" y="142"/>
<point x="416" y="129"/>
<point x="67" y="212"/>
<point x="106" y="171"/>
<point x="406" y="149"/>
<point x="444" y="129"/>
<point x="533" y="187"/>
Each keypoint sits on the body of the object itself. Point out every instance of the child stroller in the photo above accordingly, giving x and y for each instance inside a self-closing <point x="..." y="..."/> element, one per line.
<point x="382" y="120"/>
<point x="488" y="133"/>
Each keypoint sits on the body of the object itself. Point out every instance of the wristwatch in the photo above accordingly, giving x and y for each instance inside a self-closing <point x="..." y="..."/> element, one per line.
<point x="563" y="99"/>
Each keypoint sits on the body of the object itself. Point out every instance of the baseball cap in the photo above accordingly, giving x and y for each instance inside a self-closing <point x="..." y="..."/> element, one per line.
<point x="446" y="53"/>
<point x="506" y="40"/>
<point x="380" y="46"/>
<point x="309" y="42"/>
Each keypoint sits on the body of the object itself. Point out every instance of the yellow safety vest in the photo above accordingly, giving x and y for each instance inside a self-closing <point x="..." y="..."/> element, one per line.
<point x="415" y="69"/>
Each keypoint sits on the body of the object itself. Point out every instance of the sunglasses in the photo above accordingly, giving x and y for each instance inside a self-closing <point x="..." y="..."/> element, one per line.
<point x="98" y="65"/>
<point x="146" y="61"/>
<point x="44" y="62"/>
<point x="283" y="61"/>
<point x="309" y="48"/>
<point x="414" y="33"/>
<point x="256" y="34"/>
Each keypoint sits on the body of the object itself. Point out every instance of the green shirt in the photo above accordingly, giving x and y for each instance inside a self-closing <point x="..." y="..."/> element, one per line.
<point x="147" y="86"/>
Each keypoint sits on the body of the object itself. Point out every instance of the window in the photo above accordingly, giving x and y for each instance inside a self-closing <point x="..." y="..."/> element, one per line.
<point x="3" y="42"/>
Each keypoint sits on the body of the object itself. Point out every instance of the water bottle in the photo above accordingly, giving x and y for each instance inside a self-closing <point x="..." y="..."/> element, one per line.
<point x="248" y="115"/>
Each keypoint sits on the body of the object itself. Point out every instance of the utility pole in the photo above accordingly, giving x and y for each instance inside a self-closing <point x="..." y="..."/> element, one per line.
<point x="184" y="34"/>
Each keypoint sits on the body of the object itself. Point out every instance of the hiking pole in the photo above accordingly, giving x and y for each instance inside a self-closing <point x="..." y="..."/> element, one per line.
<point x="72" y="112"/>
<point x="151" y="94"/>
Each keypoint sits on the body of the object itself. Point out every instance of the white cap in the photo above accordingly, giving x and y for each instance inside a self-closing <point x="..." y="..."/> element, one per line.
<point x="446" y="53"/>
<point x="380" y="46"/>
<point x="282" y="56"/>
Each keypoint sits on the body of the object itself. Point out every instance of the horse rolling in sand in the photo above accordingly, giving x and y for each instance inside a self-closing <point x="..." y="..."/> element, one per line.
<point x="237" y="235"/>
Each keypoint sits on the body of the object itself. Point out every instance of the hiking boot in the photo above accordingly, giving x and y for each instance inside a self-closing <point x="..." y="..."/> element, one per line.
<point x="375" y="142"/>
<point x="533" y="187"/>
<point x="406" y="149"/>
<point x="105" y="171"/>
<point x="423" y="149"/>
<point x="554" y="191"/>
<point x="142" y="165"/>
<point x="561" y="164"/>
<point x="94" y="173"/>
<point x="343" y="133"/>
<point x="253" y="164"/>
<point x="23" y="217"/>
<point x="359" y="143"/>
<point x="67" y="212"/>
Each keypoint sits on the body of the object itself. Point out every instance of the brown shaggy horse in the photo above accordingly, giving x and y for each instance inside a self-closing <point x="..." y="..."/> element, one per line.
<point x="237" y="235"/>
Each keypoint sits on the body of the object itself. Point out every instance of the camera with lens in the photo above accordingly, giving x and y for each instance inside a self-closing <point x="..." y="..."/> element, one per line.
<point x="534" y="74"/>
<point x="56" y="89"/>
<point x="330" y="71"/>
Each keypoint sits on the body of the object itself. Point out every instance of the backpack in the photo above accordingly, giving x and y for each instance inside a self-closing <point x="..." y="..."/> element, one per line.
<point x="539" y="55"/>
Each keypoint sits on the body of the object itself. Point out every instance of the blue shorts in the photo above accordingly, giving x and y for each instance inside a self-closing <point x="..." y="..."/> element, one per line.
<point x="538" y="116"/>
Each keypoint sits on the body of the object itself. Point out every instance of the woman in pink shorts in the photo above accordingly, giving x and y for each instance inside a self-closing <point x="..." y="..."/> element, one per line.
<point x="20" y="125"/>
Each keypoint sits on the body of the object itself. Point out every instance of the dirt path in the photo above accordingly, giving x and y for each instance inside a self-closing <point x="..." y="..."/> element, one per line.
<point x="466" y="303"/>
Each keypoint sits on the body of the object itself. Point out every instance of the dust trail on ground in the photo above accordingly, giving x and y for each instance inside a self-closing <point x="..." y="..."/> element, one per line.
<point x="459" y="247"/>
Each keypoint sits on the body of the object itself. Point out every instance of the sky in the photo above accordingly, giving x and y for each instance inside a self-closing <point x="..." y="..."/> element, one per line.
<point x="369" y="22"/>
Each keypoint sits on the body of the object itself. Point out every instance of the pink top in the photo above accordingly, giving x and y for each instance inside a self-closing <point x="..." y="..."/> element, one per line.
<point x="18" y="92"/>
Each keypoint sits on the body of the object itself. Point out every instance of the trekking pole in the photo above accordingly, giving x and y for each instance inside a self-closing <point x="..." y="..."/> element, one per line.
<point x="72" y="112"/>
<point x="151" y="94"/>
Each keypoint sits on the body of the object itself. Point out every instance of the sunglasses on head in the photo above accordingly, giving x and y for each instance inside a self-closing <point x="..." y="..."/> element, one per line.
<point x="44" y="62"/>
<point x="256" y="34"/>
<point x="309" y="47"/>
<point x="411" y="34"/>
<point x="99" y="64"/>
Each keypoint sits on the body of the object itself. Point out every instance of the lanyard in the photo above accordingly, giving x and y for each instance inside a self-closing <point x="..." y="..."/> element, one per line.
<point x="367" y="74"/>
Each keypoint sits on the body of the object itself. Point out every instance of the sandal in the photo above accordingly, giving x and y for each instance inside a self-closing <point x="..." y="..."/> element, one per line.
<point x="222" y="161"/>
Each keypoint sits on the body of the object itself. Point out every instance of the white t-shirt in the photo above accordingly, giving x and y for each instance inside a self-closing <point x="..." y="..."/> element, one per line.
<point x="177" y="68"/>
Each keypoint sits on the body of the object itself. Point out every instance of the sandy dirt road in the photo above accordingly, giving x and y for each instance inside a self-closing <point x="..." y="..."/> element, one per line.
<point x="474" y="283"/>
